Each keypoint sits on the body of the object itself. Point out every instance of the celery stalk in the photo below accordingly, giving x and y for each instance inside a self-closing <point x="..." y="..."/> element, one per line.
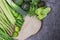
<point x="1" y="27"/>
<point x="8" y="26"/>
<point x="5" y="36"/>
<point x="2" y="14"/>
<point x="7" y="12"/>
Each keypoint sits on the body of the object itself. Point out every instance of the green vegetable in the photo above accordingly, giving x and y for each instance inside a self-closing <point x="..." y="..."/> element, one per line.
<point x="27" y="0"/>
<point x="7" y="12"/>
<point x="15" y="34"/>
<point x="1" y="38"/>
<point x="19" y="21"/>
<point x="4" y="36"/>
<point x="32" y="10"/>
<point x="16" y="7"/>
<point x="7" y="29"/>
<point x="35" y="2"/>
<point x="33" y="7"/>
<point x="25" y="6"/>
<point x="18" y="17"/>
<point x="4" y="16"/>
<point x="46" y="10"/>
<point x="2" y="28"/>
<point x="10" y="20"/>
<point x="17" y="29"/>
<point x="18" y="2"/>
<point x="15" y="14"/>
<point x="39" y="10"/>
<point x="3" y="21"/>
<point x="42" y="13"/>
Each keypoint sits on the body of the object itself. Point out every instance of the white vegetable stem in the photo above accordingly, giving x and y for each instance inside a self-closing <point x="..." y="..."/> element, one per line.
<point x="30" y="27"/>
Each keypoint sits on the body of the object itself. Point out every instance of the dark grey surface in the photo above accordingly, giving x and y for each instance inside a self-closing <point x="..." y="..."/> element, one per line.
<point x="51" y="24"/>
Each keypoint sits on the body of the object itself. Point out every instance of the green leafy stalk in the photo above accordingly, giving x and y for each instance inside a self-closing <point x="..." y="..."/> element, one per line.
<point x="19" y="19"/>
<point x="6" y="22"/>
<point x="7" y="12"/>
<point x="4" y="16"/>
<point x="16" y="15"/>
<point x="1" y="38"/>
<point x="32" y="10"/>
<point x="33" y="7"/>
<point x="16" y="7"/>
<point x="4" y="36"/>
<point x="8" y="26"/>
<point x="42" y="12"/>
<point x="35" y="2"/>
<point x="2" y="28"/>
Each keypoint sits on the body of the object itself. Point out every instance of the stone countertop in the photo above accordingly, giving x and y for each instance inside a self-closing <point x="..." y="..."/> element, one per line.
<point x="50" y="29"/>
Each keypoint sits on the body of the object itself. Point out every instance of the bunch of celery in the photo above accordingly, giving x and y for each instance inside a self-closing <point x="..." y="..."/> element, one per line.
<point x="10" y="21"/>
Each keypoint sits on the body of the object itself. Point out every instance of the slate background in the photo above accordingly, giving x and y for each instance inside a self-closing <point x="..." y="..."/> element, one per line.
<point x="51" y="24"/>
